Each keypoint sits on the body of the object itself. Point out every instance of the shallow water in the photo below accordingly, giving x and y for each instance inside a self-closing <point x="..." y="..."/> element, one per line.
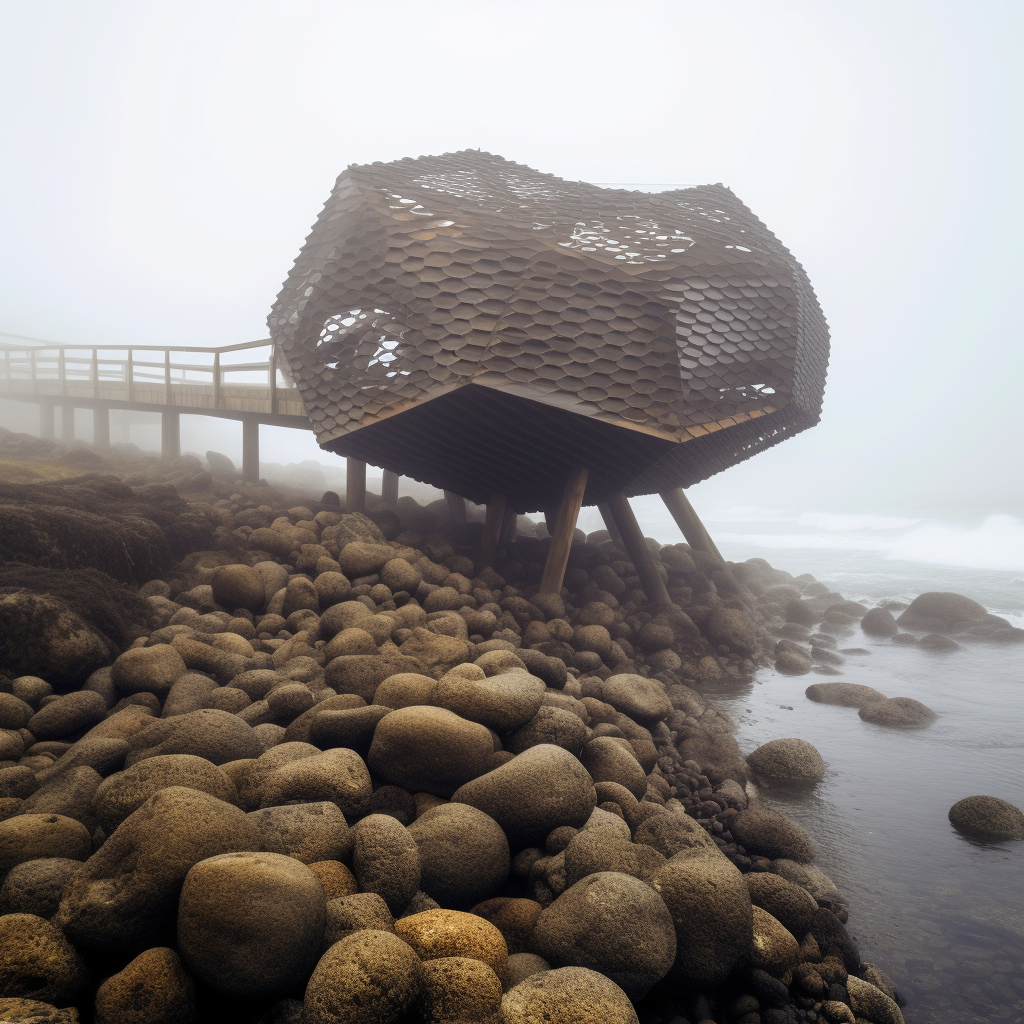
<point x="942" y="915"/>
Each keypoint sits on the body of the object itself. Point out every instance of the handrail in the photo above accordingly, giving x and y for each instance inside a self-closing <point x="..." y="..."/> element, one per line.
<point x="42" y="345"/>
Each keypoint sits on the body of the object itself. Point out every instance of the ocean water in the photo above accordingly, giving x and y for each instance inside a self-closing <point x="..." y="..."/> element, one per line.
<point x="941" y="914"/>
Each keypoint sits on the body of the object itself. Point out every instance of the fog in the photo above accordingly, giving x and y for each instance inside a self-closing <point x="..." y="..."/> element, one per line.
<point x="165" y="162"/>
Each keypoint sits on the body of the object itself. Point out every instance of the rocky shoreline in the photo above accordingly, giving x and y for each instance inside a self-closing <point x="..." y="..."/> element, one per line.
<point x="326" y="767"/>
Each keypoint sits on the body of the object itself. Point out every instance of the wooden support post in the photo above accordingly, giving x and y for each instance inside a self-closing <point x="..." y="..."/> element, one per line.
<point x="95" y="372"/>
<point x="167" y="377"/>
<point x="129" y="372"/>
<point x="355" y="485"/>
<point x="216" y="380"/>
<point x="170" y="434"/>
<point x="61" y="383"/>
<point x="67" y="423"/>
<point x="456" y="506"/>
<point x="46" y="419"/>
<point x="609" y="521"/>
<point x="492" y="528"/>
<point x="509" y="526"/>
<point x="637" y="549"/>
<point x="101" y="427"/>
<point x="688" y="522"/>
<point x="565" y="527"/>
<point x="251" y="451"/>
<point x="389" y="488"/>
<point x="272" y="375"/>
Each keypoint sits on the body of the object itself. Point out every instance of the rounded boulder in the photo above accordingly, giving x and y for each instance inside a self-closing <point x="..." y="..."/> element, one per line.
<point x="642" y="699"/>
<point x="987" y="817"/>
<point x="844" y="695"/>
<point x="238" y="586"/>
<point x="613" y="923"/>
<point x="898" y="713"/>
<point x="251" y="924"/>
<point x="369" y="977"/>
<point x="463" y="854"/>
<point x="441" y="933"/>
<point x="125" y="791"/>
<point x="712" y="914"/>
<point x="532" y="794"/>
<point x="385" y="860"/>
<point x="788" y="760"/>
<point x="428" y="749"/>
<point x="570" y="994"/>
<point x="458" y="990"/>
<point x="770" y="834"/>
<point x="37" y="961"/>
<point x="31" y="836"/>
<point x="153" y="987"/>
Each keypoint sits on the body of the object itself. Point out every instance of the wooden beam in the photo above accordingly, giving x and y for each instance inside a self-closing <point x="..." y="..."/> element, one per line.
<point x="637" y="549"/>
<point x="609" y="521"/>
<point x="688" y="522"/>
<point x="456" y="506"/>
<point x="251" y="451"/>
<point x="355" y="485"/>
<point x="565" y="527"/>
<point x="492" y="528"/>
<point x="389" y="488"/>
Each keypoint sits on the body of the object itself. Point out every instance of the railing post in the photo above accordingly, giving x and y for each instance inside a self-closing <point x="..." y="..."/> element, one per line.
<point x="216" y="380"/>
<point x="95" y="373"/>
<point x="130" y="374"/>
<point x="32" y="365"/>
<point x="167" y="377"/>
<point x="61" y="385"/>
<point x="273" y="380"/>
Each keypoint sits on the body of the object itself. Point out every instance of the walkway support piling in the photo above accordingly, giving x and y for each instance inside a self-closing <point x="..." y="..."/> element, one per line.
<point x="609" y="521"/>
<point x="492" y="528"/>
<point x="251" y="451"/>
<point x="509" y="525"/>
<point x="101" y="427"/>
<point x="67" y="423"/>
<point x="637" y="549"/>
<point x="355" y="484"/>
<point x="565" y="527"/>
<point x="689" y="523"/>
<point x="46" y="420"/>
<point x="389" y="488"/>
<point x="170" y="434"/>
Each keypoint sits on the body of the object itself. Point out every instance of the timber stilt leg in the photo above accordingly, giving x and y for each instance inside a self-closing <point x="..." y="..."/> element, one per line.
<point x="509" y="525"/>
<point x="492" y="528"/>
<point x="456" y="506"/>
<point x="688" y="522"/>
<point x="639" y="553"/>
<point x="609" y="521"/>
<point x="389" y="488"/>
<point x="46" y="420"/>
<point x="355" y="484"/>
<point x="565" y="527"/>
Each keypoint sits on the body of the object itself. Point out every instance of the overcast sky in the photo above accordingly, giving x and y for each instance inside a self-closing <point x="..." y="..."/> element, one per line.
<point x="164" y="162"/>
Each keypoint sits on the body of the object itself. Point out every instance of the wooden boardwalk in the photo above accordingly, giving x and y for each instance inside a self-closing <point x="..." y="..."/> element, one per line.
<point x="240" y="382"/>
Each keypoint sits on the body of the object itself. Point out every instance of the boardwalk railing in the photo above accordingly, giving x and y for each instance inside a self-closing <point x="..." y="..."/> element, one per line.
<point x="241" y="382"/>
<point x="234" y="379"/>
